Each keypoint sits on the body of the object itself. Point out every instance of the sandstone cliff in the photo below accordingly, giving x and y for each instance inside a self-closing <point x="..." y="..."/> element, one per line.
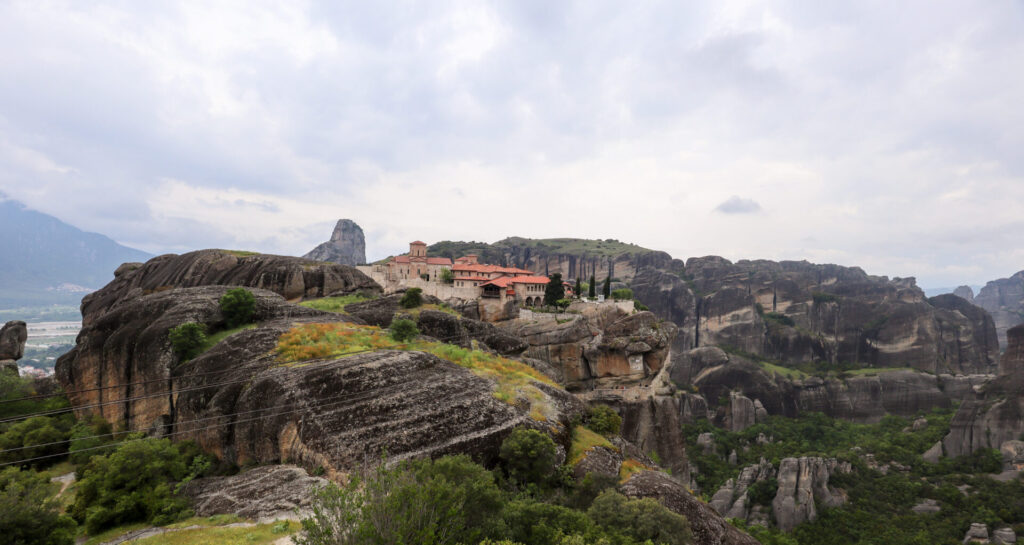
<point x="1004" y="300"/>
<point x="347" y="245"/>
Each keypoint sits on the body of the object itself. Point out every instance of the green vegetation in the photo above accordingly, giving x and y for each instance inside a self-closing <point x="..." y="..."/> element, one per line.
<point x="578" y="290"/>
<point x="577" y="246"/>
<point x="592" y="288"/>
<point x="403" y="330"/>
<point x="50" y="432"/>
<point x="240" y="253"/>
<point x="637" y="305"/>
<point x="821" y="297"/>
<point x="622" y="294"/>
<point x="583" y="440"/>
<point x="188" y="339"/>
<point x="413" y="298"/>
<point x="788" y="372"/>
<point x="27" y="512"/>
<point x="604" y="420"/>
<point x="238" y="306"/>
<point x="447" y="276"/>
<point x="260" y="534"/>
<point x="337" y="304"/>
<point x="136" y="483"/>
<point x="13" y="387"/>
<point x="454" y="500"/>
<point x="778" y="318"/>
<point x="554" y="291"/>
<point x="528" y="457"/>
<point x="606" y="289"/>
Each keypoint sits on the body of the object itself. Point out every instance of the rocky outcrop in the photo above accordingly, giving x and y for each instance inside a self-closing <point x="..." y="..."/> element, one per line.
<point x="463" y="332"/>
<point x="732" y="500"/>
<point x="12" y="345"/>
<point x="1004" y="536"/>
<point x="654" y="425"/>
<point x="977" y="533"/>
<point x="965" y="292"/>
<point x="260" y="493"/>
<point x="1004" y="300"/>
<point x="346" y="247"/>
<point x="708" y="527"/>
<point x="999" y="416"/>
<point x="291" y="277"/>
<point x="803" y="483"/>
<point x="602" y="347"/>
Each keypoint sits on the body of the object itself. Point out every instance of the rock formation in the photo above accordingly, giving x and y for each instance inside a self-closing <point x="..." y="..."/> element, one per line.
<point x="999" y="416"/>
<point x="1004" y="300"/>
<point x="977" y="533"/>
<point x="732" y="500"/>
<point x="12" y="345"/>
<point x="965" y="292"/>
<point x="803" y="482"/>
<point x="260" y="493"/>
<point x="707" y="527"/>
<point x="346" y="247"/>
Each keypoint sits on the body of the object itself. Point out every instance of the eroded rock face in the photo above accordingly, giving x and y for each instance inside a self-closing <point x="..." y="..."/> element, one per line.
<point x="965" y="292"/>
<point x="12" y="340"/>
<point x="977" y="533"/>
<point x="708" y="527"/>
<point x="654" y="425"/>
<point x="1004" y="300"/>
<point x="261" y="492"/>
<point x="999" y="416"/>
<point x="346" y="247"/>
<point x="603" y="348"/>
<point x="731" y="500"/>
<point x="802" y="482"/>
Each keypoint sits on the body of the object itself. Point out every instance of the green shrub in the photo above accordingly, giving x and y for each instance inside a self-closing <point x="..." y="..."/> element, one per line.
<point x="135" y="483"/>
<point x="403" y="330"/>
<point x="528" y="456"/>
<point x="84" y="439"/>
<point x="413" y="298"/>
<point x="188" y="339"/>
<point x="424" y="502"/>
<point x="637" y="305"/>
<point x="604" y="420"/>
<point x="38" y="430"/>
<point x="639" y="519"/>
<point x="27" y="512"/>
<point x="763" y="492"/>
<point x="554" y="291"/>
<point x="778" y="318"/>
<point x="238" y="306"/>
<point x="534" y="523"/>
<point x="623" y="294"/>
<point x="447" y="276"/>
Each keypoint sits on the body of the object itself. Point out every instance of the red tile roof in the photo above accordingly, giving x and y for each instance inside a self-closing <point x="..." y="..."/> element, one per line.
<point x="472" y="278"/>
<point x="506" y="281"/>
<point x="428" y="261"/>
<point x="478" y="268"/>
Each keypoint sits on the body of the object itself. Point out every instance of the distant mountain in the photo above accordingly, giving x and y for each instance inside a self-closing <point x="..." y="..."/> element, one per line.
<point x="45" y="261"/>
<point x="932" y="292"/>
<point x="1004" y="300"/>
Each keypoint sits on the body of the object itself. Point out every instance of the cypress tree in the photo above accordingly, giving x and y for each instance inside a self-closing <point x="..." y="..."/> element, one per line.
<point x="555" y="290"/>
<point x="579" y="288"/>
<point x="607" y="287"/>
<point x="592" y="292"/>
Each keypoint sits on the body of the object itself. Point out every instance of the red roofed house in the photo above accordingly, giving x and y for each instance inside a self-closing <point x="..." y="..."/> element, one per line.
<point x="416" y="264"/>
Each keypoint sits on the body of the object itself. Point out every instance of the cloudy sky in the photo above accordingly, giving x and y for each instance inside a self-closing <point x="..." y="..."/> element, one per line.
<point x="882" y="134"/>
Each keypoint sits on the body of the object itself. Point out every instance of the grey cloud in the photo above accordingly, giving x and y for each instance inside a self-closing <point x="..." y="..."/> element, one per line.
<point x="738" y="205"/>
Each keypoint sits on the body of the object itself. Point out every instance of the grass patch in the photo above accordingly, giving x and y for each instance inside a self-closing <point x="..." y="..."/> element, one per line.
<point x="240" y="253"/>
<point x="112" y="533"/>
<point x="238" y="535"/>
<point x="792" y="374"/>
<point x="204" y="522"/>
<point x="219" y="336"/>
<point x="514" y="380"/>
<point x="582" y="441"/>
<point x="871" y="371"/>
<point x="629" y="468"/>
<point x="415" y="312"/>
<point x="335" y="304"/>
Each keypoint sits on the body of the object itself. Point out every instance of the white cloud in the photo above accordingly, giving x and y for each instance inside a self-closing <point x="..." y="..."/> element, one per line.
<point x="885" y="136"/>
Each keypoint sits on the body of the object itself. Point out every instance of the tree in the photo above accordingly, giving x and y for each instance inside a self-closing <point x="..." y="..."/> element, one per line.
<point x="607" y="289"/>
<point x="430" y="502"/>
<point x="447" y="276"/>
<point x="604" y="420"/>
<point x="413" y="298"/>
<point x="135" y="483"/>
<point x="48" y="432"/>
<point x="578" y="292"/>
<point x="403" y="330"/>
<point x="639" y="519"/>
<point x="555" y="290"/>
<point x="188" y="339"/>
<point x="592" y="292"/>
<point x="238" y="306"/>
<point x="623" y="294"/>
<point x="528" y="456"/>
<point x="27" y="512"/>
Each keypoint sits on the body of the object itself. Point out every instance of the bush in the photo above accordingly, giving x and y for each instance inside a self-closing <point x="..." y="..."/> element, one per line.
<point x="637" y="305"/>
<point x="528" y="456"/>
<point x="413" y="298"/>
<point x="534" y="523"/>
<point x="403" y="330"/>
<point x="763" y="492"/>
<point x="604" y="420"/>
<point x="238" y="306"/>
<point x="640" y="520"/>
<point x="623" y="294"/>
<point x="448" y="500"/>
<point x="27" y="512"/>
<point x="84" y="439"/>
<point x="38" y="430"/>
<point x="188" y="339"/>
<point x="447" y="276"/>
<point x="135" y="483"/>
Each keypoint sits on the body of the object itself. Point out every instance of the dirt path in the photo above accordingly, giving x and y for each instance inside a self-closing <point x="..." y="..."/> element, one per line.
<point x="65" y="481"/>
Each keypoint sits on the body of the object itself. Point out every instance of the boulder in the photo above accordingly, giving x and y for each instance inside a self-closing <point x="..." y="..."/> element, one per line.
<point x="12" y="340"/>
<point x="977" y="533"/>
<point x="347" y="245"/>
<point x="600" y="461"/>
<point x="690" y="364"/>
<point x="926" y="507"/>
<point x="708" y="527"/>
<point x="1004" y="536"/>
<point x="262" y="492"/>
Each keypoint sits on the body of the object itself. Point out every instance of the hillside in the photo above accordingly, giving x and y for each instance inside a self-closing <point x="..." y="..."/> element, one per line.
<point x="47" y="261"/>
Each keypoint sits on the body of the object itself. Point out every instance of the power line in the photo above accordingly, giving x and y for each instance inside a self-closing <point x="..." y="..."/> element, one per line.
<point x="193" y="430"/>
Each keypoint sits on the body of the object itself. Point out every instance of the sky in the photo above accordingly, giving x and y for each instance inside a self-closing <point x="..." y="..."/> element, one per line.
<point x="886" y="135"/>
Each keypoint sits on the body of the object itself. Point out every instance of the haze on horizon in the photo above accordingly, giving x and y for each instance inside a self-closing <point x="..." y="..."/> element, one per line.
<point x="881" y="135"/>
